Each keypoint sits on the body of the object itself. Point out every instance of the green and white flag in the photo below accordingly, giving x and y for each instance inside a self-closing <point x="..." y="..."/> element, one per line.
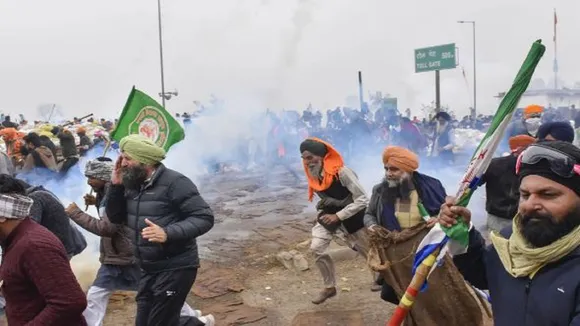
<point x="456" y="238"/>
<point x="484" y="152"/>
<point x="143" y="115"/>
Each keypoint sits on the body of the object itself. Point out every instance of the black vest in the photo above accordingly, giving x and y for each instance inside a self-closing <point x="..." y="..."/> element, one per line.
<point x="340" y="192"/>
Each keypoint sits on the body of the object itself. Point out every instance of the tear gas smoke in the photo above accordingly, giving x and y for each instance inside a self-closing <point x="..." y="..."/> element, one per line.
<point x="231" y="135"/>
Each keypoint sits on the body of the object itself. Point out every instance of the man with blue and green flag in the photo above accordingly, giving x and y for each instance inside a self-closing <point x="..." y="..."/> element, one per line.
<point x="532" y="268"/>
<point x="454" y="237"/>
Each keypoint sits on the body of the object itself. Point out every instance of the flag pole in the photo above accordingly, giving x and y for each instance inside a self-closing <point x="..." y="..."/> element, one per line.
<point x="407" y="300"/>
<point x="161" y="53"/>
<point x="476" y="168"/>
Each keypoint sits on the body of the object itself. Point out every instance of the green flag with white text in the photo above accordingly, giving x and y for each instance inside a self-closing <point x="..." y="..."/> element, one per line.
<point x="143" y="115"/>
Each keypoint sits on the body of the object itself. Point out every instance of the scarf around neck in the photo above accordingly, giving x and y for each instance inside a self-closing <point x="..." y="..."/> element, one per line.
<point x="520" y="259"/>
<point x="332" y="163"/>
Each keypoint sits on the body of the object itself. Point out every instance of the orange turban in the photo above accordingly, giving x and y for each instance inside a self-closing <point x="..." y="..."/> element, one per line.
<point x="532" y="109"/>
<point x="332" y="163"/>
<point x="400" y="158"/>
<point x="519" y="141"/>
<point x="81" y="130"/>
<point x="9" y="133"/>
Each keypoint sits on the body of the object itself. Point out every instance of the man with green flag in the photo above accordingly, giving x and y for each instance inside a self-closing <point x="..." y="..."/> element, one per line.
<point x="166" y="212"/>
<point x="144" y="116"/>
<point x="531" y="268"/>
<point x="454" y="238"/>
<point x="162" y="207"/>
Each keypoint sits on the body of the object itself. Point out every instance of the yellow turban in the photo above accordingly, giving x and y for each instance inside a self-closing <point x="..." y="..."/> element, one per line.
<point x="400" y="158"/>
<point x="142" y="149"/>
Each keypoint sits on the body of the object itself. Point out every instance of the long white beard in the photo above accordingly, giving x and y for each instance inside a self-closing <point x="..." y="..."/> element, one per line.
<point x="394" y="183"/>
<point x="315" y="171"/>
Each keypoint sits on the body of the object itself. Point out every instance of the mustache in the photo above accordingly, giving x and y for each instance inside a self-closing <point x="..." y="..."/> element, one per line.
<point x="133" y="177"/>
<point x="541" y="229"/>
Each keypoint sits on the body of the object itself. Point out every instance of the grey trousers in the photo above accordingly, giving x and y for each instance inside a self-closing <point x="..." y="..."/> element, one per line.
<point x="321" y="239"/>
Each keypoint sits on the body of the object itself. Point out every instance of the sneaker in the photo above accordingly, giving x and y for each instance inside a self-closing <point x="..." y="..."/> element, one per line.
<point x="208" y="320"/>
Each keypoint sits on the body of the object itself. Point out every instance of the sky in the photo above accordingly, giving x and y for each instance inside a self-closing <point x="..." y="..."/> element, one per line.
<point x="86" y="55"/>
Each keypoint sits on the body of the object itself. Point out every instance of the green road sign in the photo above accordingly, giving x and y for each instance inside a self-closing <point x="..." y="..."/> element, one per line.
<point x="435" y="58"/>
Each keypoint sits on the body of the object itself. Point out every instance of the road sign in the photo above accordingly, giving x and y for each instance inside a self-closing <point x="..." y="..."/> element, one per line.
<point x="435" y="58"/>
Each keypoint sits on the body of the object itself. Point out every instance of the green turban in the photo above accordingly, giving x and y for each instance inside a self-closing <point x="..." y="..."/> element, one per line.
<point x="141" y="149"/>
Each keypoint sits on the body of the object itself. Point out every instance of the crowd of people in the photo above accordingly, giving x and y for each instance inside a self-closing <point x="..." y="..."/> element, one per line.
<point x="526" y="265"/>
<point x="357" y="133"/>
<point x="149" y="217"/>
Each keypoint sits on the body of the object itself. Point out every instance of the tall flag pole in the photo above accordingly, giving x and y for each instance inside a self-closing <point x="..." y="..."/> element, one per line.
<point x="555" y="51"/>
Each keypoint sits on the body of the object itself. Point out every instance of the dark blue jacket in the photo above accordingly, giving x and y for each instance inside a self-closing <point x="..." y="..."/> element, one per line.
<point x="552" y="297"/>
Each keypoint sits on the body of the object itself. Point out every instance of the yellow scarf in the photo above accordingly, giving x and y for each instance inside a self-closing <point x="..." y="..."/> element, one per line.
<point x="520" y="259"/>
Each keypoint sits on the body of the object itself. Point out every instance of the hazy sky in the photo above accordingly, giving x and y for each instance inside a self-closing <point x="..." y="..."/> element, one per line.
<point x="86" y="55"/>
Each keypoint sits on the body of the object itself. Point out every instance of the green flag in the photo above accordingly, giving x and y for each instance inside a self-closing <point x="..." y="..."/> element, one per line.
<point x="484" y="153"/>
<point x="143" y="115"/>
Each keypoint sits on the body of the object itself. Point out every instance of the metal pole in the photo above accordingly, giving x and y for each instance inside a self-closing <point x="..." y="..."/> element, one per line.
<point x="474" y="77"/>
<point x="437" y="92"/>
<point x="472" y="22"/>
<point x="161" y="54"/>
<point x="360" y="91"/>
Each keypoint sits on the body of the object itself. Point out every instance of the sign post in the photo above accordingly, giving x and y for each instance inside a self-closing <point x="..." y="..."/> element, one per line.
<point x="436" y="58"/>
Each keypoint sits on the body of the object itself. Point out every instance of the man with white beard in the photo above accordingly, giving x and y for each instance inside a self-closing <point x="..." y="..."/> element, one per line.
<point x="340" y="210"/>
<point x="394" y="203"/>
<point x="402" y="209"/>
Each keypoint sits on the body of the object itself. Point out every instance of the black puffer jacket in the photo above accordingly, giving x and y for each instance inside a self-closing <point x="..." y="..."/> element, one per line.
<point x="171" y="201"/>
<point x="48" y="211"/>
<point x="502" y="187"/>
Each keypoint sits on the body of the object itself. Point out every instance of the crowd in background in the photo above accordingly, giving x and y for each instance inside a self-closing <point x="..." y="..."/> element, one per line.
<point x="355" y="131"/>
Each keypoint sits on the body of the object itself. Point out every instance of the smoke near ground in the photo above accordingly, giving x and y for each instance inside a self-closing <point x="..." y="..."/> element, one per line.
<point x="229" y="135"/>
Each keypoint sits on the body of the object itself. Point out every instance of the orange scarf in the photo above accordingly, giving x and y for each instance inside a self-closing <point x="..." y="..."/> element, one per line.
<point x="331" y="165"/>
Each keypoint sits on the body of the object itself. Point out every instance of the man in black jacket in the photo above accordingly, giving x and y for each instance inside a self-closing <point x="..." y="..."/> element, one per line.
<point x="531" y="269"/>
<point x="502" y="185"/>
<point x="48" y="211"/>
<point x="167" y="212"/>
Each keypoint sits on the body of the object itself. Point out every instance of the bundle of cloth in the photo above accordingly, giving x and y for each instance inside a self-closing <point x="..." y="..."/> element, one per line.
<point x="449" y="300"/>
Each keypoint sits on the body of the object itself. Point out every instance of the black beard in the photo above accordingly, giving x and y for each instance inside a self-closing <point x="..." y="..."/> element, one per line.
<point x="544" y="230"/>
<point x="134" y="177"/>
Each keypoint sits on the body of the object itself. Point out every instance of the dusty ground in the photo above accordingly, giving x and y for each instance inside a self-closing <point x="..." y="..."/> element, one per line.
<point x="242" y="283"/>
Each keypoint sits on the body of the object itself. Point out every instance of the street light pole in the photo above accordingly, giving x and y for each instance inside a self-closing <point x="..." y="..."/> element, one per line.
<point x="472" y="22"/>
<point x="161" y="54"/>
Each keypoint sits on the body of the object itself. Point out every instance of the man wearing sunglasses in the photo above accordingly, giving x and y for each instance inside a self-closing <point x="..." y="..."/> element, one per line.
<point x="532" y="270"/>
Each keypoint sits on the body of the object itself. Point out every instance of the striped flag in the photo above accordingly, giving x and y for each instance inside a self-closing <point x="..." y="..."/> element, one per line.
<point x="454" y="240"/>
<point x="457" y="236"/>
